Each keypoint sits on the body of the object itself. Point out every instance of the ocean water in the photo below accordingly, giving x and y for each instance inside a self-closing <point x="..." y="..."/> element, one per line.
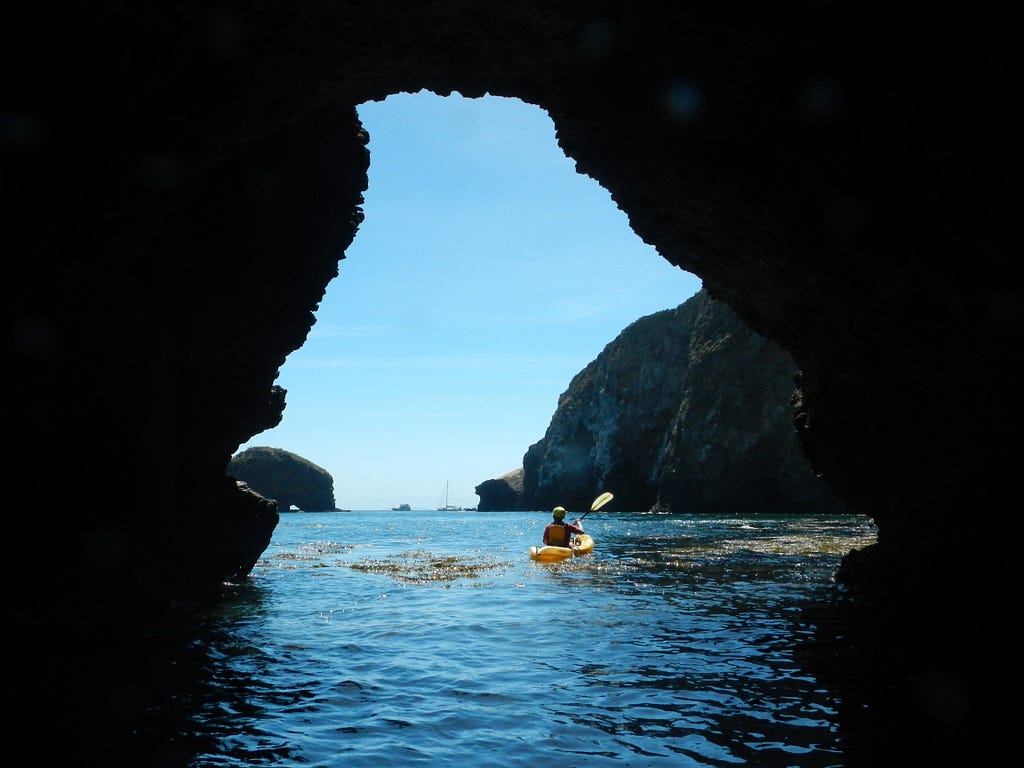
<point x="429" y="638"/>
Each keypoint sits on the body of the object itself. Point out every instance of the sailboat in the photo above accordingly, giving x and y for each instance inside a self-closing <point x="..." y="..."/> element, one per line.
<point x="448" y="507"/>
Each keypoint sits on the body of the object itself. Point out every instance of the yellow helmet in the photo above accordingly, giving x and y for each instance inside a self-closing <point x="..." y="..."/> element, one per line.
<point x="558" y="512"/>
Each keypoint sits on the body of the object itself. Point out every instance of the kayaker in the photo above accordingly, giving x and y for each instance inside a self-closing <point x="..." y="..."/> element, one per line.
<point x="559" y="533"/>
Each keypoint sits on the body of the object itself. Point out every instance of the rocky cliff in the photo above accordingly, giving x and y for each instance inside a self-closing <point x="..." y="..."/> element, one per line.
<point x="688" y="410"/>
<point x="285" y="477"/>
<point x="505" y="492"/>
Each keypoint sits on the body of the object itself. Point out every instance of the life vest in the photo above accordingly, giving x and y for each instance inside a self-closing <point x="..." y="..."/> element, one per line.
<point x="558" y="535"/>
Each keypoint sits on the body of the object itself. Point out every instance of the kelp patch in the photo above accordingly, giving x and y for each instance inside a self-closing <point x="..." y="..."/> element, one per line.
<point x="317" y="554"/>
<point x="426" y="567"/>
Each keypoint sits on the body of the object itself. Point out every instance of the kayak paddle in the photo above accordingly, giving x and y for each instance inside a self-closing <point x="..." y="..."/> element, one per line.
<point x="599" y="502"/>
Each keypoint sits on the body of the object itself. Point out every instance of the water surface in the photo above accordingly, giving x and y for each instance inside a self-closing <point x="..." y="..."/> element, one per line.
<point x="430" y="638"/>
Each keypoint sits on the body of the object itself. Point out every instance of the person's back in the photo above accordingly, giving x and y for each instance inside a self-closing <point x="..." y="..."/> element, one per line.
<point x="558" y="533"/>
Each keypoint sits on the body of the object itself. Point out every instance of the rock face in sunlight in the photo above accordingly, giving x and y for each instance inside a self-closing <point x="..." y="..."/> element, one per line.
<point x="179" y="186"/>
<point x="285" y="477"/>
<point x="688" y="410"/>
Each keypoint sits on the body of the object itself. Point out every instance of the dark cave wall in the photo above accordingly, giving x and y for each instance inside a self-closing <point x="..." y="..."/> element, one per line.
<point x="180" y="182"/>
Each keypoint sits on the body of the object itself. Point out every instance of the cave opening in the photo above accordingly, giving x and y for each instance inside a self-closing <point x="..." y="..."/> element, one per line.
<point x="486" y="273"/>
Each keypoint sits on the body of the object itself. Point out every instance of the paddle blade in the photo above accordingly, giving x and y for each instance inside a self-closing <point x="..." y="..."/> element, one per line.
<point x="600" y="501"/>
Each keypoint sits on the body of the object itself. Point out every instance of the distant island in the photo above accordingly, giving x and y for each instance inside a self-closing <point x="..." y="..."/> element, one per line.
<point x="294" y="482"/>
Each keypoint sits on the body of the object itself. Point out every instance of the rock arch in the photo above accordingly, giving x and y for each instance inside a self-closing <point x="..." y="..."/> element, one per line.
<point x="179" y="184"/>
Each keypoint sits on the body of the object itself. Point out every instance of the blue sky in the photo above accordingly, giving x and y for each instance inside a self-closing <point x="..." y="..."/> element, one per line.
<point x="486" y="274"/>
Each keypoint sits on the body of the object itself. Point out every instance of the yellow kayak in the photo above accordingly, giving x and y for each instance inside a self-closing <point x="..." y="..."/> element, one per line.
<point x="583" y="545"/>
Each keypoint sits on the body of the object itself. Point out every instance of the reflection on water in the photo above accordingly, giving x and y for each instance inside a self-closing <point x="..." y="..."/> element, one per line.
<point x="679" y="642"/>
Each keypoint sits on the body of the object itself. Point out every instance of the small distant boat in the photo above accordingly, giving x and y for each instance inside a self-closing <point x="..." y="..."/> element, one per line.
<point x="402" y="508"/>
<point x="448" y="507"/>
